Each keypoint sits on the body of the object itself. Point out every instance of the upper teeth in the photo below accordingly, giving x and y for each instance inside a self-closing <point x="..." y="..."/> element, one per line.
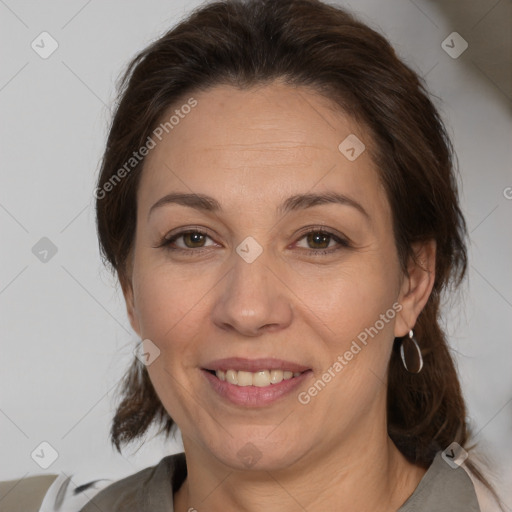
<point x="261" y="379"/>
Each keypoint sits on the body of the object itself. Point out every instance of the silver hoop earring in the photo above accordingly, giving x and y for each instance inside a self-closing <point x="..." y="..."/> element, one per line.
<point x="411" y="354"/>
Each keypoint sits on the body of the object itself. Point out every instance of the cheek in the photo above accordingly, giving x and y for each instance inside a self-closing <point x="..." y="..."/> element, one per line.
<point x="356" y="309"/>
<point x="346" y="300"/>
<point x="167" y="303"/>
<point x="169" y="308"/>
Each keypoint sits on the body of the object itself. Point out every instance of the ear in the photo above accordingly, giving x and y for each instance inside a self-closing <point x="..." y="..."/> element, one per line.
<point x="416" y="286"/>
<point x="129" y="299"/>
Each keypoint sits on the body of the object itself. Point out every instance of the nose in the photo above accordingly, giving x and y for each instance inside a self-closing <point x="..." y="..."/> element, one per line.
<point x="252" y="299"/>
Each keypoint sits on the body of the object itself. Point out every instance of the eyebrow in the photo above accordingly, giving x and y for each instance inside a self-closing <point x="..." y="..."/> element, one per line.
<point x="293" y="203"/>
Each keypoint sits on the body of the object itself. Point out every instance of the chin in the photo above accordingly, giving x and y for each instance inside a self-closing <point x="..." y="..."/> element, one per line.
<point x="258" y="452"/>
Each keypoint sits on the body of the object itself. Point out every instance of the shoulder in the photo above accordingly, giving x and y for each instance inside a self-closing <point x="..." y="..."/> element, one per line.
<point x="46" y="493"/>
<point x="444" y="486"/>
<point x="25" y="494"/>
<point x="121" y="494"/>
<point x="150" y="489"/>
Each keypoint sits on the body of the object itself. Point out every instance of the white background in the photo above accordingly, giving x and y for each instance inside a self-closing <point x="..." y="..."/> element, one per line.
<point x="66" y="340"/>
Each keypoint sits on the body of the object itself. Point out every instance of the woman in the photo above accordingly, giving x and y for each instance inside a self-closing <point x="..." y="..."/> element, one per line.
<point x="278" y="200"/>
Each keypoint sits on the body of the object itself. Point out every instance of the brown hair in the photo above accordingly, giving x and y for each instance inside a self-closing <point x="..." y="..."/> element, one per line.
<point x="307" y="43"/>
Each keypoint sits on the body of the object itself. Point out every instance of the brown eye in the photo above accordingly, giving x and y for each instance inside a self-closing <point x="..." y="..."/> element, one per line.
<point x="318" y="240"/>
<point x="193" y="239"/>
<point x="186" y="240"/>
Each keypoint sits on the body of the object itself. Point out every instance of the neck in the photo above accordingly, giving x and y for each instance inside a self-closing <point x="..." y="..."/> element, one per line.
<point x="365" y="472"/>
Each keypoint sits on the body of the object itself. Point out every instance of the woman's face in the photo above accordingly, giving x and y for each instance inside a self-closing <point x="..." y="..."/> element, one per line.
<point x="277" y="282"/>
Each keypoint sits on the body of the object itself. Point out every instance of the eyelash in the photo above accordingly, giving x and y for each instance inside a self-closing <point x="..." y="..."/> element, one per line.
<point x="167" y="241"/>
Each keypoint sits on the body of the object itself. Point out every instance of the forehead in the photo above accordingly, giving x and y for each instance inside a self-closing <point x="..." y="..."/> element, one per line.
<point x="258" y="145"/>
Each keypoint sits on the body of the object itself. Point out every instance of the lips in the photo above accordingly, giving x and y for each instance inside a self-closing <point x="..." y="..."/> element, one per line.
<point x="254" y="382"/>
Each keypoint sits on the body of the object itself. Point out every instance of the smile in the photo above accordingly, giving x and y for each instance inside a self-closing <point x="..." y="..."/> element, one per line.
<point x="262" y="378"/>
<point x="252" y="383"/>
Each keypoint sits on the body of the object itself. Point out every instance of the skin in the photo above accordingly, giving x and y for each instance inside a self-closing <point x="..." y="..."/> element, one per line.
<point x="250" y="150"/>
